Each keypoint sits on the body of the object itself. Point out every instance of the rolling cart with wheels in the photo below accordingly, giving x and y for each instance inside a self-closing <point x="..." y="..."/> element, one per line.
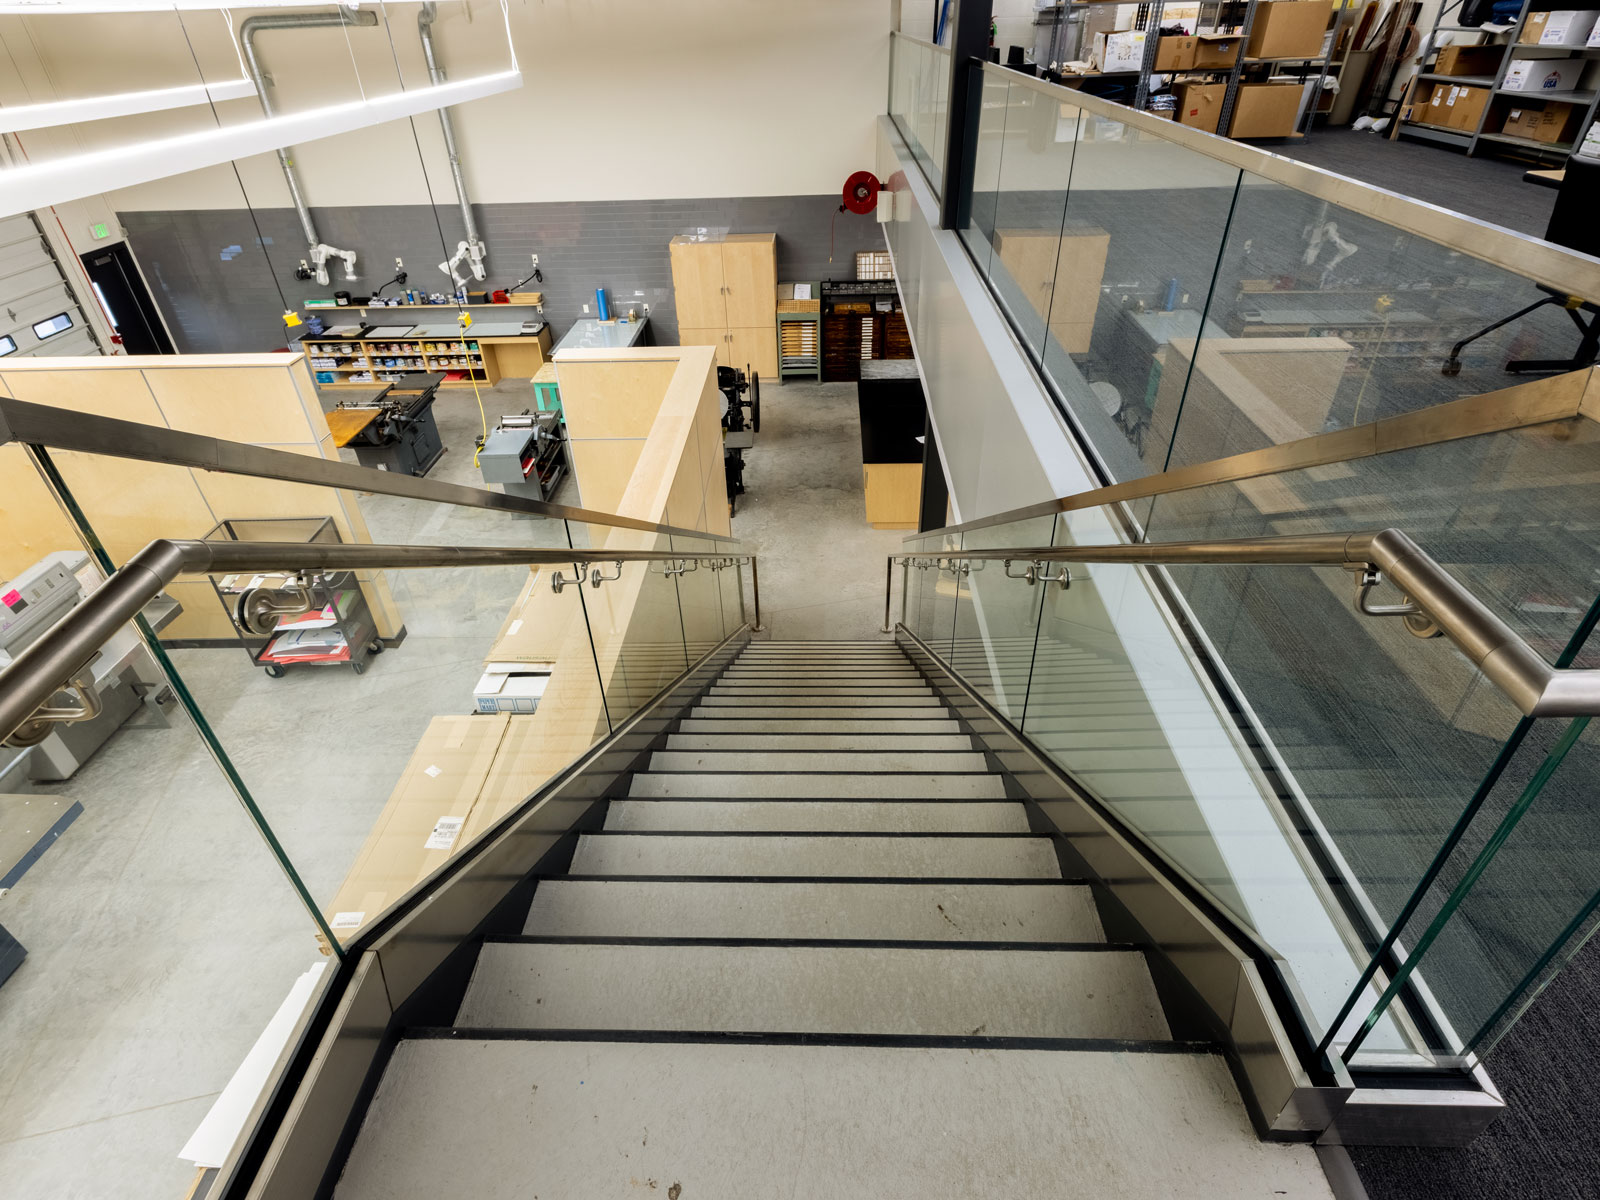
<point x="288" y="619"/>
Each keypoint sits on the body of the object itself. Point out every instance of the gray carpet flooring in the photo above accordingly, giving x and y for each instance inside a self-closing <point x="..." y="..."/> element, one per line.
<point x="1544" y="1147"/>
<point x="1490" y="189"/>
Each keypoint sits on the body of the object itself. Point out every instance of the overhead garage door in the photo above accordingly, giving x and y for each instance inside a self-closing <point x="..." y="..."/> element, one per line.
<point x="38" y="314"/>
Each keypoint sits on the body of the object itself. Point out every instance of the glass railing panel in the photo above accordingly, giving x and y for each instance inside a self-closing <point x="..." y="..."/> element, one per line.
<point x="931" y="591"/>
<point x="731" y="589"/>
<point x="1511" y="513"/>
<point x="697" y="575"/>
<point x="1323" y="318"/>
<point x="936" y="123"/>
<point x="1516" y="893"/>
<point x="1377" y="740"/>
<point x="372" y="706"/>
<point x="634" y="618"/>
<point x="1143" y="228"/>
<point x="1119" y="702"/>
<point x="1035" y="170"/>
<point x="920" y="88"/>
<point x="133" y="884"/>
<point x="997" y="621"/>
<point x="989" y="150"/>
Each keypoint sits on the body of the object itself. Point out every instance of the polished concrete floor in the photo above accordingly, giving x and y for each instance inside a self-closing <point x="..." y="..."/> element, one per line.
<point x="822" y="565"/>
<point x="161" y="933"/>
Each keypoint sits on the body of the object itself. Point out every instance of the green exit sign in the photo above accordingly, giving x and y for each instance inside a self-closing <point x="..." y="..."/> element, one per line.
<point x="99" y="230"/>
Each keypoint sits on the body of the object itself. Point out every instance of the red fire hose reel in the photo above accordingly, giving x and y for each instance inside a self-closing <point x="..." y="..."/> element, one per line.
<point x="860" y="193"/>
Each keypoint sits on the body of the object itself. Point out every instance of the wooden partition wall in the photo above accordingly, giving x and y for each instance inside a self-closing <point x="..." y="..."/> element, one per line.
<point x="264" y="399"/>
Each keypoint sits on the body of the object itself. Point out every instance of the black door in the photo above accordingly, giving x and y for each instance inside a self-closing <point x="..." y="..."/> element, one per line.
<point x="127" y="301"/>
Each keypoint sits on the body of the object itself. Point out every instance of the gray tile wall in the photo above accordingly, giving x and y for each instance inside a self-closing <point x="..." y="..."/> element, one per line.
<point x="223" y="276"/>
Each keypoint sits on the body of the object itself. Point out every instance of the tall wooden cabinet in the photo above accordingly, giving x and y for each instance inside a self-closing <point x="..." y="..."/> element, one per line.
<point x="727" y="297"/>
<point x="1060" y="274"/>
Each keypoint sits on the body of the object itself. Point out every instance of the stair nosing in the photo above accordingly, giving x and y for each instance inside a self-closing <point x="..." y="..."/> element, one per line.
<point x="791" y="833"/>
<point x="789" y="943"/>
<point x="495" y="1033"/>
<point x="931" y="880"/>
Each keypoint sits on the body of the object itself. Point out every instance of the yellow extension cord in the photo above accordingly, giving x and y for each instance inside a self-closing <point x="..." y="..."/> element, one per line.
<point x="463" y="316"/>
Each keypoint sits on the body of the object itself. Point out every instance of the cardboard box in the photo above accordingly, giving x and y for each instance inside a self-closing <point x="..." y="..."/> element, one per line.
<point x="1555" y="122"/>
<point x="1558" y="27"/>
<point x="1175" y="54"/>
<point x="1468" y="60"/>
<point x="1266" y="109"/>
<point x="1543" y="74"/>
<point x="1121" y="50"/>
<point x="1200" y="104"/>
<point x="1216" y="51"/>
<point x="1422" y="98"/>
<point x="1466" y="105"/>
<point x="1439" y="104"/>
<point x="1288" y="28"/>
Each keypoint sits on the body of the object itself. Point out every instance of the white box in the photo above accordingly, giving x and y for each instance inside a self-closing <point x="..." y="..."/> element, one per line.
<point x="1594" y="34"/>
<point x="1567" y="27"/>
<point x="511" y="687"/>
<point x="1543" y="74"/>
<point x="1122" y="50"/>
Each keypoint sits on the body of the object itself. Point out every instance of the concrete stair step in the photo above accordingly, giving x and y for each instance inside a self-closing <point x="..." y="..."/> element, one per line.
<point x="818" y="816"/>
<point x="818" y="785"/>
<point x="808" y="726"/>
<point x="807" y="855"/>
<point x="954" y="912"/>
<point x="816" y="740"/>
<point x="761" y="988"/>
<point x="873" y="761"/>
<point x="791" y="698"/>
<point x="497" y="1119"/>
<point x="801" y="686"/>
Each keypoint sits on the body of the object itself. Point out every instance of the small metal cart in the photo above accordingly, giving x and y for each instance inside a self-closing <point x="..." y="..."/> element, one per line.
<point x="285" y="619"/>
<point x="800" y="331"/>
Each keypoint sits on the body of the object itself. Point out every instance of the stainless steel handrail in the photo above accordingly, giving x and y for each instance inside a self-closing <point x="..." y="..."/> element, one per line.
<point x="64" y="429"/>
<point x="68" y="646"/>
<point x="1503" y="411"/>
<point x="1434" y="598"/>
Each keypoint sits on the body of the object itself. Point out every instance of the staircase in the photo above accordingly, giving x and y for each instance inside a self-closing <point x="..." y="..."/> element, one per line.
<point x="815" y="950"/>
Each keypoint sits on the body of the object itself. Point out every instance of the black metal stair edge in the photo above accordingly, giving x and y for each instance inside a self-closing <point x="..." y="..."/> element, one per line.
<point x="891" y="1040"/>
<point x="545" y="939"/>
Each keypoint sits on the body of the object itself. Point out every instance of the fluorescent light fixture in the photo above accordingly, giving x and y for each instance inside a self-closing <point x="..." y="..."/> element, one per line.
<point x="39" y="185"/>
<point x="124" y="104"/>
<point x="45" y="8"/>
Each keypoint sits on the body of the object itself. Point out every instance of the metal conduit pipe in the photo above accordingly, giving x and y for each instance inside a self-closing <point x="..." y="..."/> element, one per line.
<point x="247" y="34"/>
<point x="475" y="248"/>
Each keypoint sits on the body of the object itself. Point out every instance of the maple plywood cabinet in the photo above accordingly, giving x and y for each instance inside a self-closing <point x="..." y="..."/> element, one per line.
<point x="1059" y="274"/>
<point x="726" y="294"/>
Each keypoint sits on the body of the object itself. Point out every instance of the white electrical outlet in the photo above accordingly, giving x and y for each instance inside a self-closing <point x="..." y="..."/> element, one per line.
<point x="398" y="265"/>
<point x="535" y="258"/>
<point x="585" y="308"/>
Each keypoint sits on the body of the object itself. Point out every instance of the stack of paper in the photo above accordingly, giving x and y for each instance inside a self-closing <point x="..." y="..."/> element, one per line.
<point x="307" y="645"/>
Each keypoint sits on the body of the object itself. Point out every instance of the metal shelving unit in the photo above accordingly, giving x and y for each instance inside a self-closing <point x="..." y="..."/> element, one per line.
<point x="1211" y="13"/>
<point x="1484" y="136"/>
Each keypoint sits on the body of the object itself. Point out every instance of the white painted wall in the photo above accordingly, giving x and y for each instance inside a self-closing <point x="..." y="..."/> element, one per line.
<point x="624" y="99"/>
